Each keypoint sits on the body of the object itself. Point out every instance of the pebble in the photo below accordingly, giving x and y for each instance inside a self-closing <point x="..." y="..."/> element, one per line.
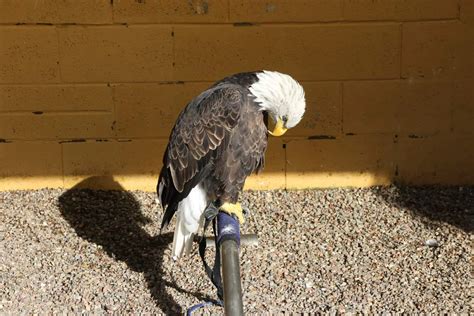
<point x="432" y="243"/>
<point x="320" y="251"/>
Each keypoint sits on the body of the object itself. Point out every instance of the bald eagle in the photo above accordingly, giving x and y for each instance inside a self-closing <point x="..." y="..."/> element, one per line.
<point x="218" y="140"/>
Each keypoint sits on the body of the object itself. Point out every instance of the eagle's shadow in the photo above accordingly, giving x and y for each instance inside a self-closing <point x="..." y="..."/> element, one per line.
<point x="113" y="219"/>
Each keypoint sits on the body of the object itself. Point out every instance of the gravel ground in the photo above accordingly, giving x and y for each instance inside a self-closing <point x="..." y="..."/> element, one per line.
<point x="341" y="250"/>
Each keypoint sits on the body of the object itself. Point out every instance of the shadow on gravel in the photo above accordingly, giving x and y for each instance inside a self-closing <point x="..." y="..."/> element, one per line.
<point x="113" y="219"/>
<point x="431" y="204"/>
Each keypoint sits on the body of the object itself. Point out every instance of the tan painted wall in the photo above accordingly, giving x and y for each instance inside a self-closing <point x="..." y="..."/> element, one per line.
<point x="92" y="87"/>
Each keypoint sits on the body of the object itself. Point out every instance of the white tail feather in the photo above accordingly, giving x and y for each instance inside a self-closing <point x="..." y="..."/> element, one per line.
<point x="188" y="221"/>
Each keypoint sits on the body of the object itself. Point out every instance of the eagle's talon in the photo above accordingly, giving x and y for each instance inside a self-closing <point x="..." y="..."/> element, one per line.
<point x="234" y="210"/>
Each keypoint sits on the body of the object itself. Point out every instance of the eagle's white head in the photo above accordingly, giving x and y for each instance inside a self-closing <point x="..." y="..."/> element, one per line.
<point x="282" y="97"/>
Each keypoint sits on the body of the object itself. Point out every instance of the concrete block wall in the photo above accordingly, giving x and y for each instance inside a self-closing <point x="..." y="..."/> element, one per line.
<point x="93" y="87"/>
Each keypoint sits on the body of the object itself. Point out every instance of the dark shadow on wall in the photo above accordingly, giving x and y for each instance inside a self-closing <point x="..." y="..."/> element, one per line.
<point x="434" y="204"/>
<point x="113" y="219"/>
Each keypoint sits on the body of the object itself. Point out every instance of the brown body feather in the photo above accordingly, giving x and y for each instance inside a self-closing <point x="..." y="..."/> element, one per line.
<point x="218" y="140"/>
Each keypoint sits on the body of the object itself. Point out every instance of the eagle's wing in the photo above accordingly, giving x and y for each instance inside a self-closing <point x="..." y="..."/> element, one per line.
<point x="245" y="154"/>
<point x="200" y="136"/>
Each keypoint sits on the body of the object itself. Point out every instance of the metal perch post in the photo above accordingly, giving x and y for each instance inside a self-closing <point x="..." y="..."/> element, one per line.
<point x="229" y="241"/>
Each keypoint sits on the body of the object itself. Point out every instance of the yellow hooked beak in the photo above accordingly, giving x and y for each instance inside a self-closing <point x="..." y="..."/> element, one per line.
<point x="279" y="129"/>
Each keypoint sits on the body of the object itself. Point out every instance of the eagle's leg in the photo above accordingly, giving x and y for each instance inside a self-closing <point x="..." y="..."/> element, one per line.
<point x="233" y="209"/>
